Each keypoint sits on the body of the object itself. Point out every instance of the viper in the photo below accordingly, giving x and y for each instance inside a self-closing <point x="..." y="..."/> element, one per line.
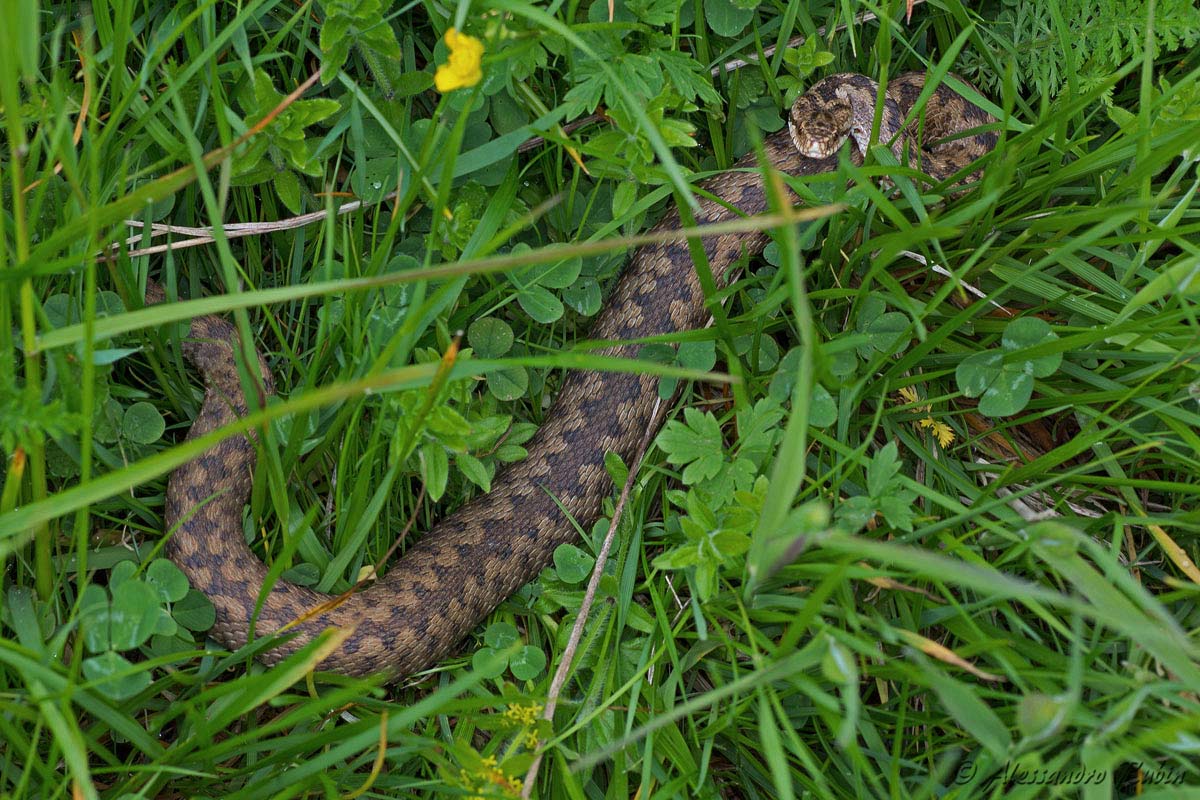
<point x="468" y="563"/>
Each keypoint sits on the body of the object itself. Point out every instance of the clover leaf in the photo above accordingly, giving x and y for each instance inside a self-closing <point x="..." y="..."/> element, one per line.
<point x="125" y="615"/>
<point x="1003" y="379"/>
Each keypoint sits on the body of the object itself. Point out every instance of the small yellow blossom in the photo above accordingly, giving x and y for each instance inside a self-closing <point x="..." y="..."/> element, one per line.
<point x="523" y="715"/>
<point x="487" y="779"/>
<point x="466" y="54"/>
<point x="941" y="431"/>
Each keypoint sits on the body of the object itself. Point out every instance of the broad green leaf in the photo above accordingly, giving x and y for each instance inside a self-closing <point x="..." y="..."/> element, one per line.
<point x="115" y="676"/>
<point x="727" y="17"/>
<point x="541" y="304"/>
<point x="488" y="662"/>
<point x="435" y="469"/>
<point x="501" y="635"/>
<point x="194" y="612"/>
<point x="527" y="663"/>
<point x="571" y="564"/>
<point x="474" y="470"/>
<point x="133" y="614"/>
<point x="168" y="580"/>
<point x="490" y="337"/>
<point x="143" y="424"/>
<point x="93" y="618"/>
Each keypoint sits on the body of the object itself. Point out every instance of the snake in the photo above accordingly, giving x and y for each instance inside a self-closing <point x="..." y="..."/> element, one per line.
<point x="480" y="554"/>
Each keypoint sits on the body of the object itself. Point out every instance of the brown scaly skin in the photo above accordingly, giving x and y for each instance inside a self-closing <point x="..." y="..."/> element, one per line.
<point x="475" y="558"/>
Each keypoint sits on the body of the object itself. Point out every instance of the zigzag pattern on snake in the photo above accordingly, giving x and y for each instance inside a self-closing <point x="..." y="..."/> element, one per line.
<point x="475" y="558"/>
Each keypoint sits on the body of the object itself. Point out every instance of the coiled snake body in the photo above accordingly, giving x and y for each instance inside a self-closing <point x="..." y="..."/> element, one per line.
<point x="479" y="555"/>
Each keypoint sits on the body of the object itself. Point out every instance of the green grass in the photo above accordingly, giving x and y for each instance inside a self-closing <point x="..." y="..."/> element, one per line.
<point x="1009" y="614"/>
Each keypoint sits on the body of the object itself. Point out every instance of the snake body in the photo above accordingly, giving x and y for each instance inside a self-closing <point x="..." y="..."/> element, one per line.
<point x="479" y="555"/>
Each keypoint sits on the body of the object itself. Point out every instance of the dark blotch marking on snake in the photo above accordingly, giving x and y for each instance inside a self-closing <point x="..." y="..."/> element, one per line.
<point x="470" y="562"/>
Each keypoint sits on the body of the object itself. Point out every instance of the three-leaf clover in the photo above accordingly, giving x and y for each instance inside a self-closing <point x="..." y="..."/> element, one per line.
<point x="125" y="614"/>
<point x="886" y="331"/>
<point x="526" y="663"/>
<point x="492" y="338"/>
<point x="1003" y="379"/>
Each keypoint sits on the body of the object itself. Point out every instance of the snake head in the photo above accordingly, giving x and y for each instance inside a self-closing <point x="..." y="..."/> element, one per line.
<point x="842" y="107"/>
<point x="818" y="133"/>
<point x="822" y="118"/>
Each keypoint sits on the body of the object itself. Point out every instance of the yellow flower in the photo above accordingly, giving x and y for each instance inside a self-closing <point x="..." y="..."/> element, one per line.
<point x="941" y="431"/>
<point x="489" y="780"/>
<point x="523" y="715"/>
<point x="466" y="53"/>
<point x="908" y="394"/>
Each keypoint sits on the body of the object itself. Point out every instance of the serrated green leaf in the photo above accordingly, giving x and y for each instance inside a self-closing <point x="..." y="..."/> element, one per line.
<point x="699" y="435"/>
<point x="688" y="76"/>
<point x="807" y="57"/>
<point x="883" y="467"/>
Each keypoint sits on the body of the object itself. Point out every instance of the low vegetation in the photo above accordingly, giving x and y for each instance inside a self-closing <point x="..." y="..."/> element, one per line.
<point x="922" y="523"/>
